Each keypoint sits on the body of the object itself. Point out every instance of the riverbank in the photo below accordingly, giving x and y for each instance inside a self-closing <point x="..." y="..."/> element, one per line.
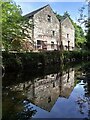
<point x="30" y="60"/>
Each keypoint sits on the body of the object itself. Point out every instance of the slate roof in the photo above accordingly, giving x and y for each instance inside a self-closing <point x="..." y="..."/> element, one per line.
<point x="63" y="18"/>
<point x="34" y="12"/>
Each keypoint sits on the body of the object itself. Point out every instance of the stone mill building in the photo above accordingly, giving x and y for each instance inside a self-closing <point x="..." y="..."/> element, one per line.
<point x="48" y="33"/>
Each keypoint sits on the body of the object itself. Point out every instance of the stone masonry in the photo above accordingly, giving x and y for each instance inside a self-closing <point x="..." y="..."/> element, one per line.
<point x="48" y="32"/>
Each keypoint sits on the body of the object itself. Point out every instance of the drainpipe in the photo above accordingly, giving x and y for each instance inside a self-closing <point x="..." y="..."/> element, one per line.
<point x="34" y="44"/>
<point x="68" y="44"/>
<point x="61" y="44"/>
<point x="60" y="32"/>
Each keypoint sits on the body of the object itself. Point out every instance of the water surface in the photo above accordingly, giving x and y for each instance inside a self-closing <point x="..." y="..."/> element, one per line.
<point x="54" y="94"/>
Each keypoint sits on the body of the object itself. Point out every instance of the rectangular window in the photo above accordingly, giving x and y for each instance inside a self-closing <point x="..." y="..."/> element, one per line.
<point x="38" y="43"/>
<point x="53" y="32"/>
<point x="52" y="45"/>
<point x="66" y="47"/>
<point x="49" y="18"/>
<point x="44" y="45"/>
<point x="53" y="84"/>
<point x="67" y="35"/>
<point x="49" y="99"/>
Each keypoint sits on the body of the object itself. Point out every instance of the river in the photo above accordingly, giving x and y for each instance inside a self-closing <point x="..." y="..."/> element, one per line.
<point x="52" y="92"/>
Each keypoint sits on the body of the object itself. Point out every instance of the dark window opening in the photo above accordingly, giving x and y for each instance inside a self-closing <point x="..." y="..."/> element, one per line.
<point x="53" y="32"/>
<point x="44" y="45"/>
<point x="67" y="35"/>
<point x="68" y="76"/>
<point x="49" y="99"/>
<point x="38" y="43"/>
<point x="66" y="47"/>
<point x="49" y="18"/>
<point x="72" y="47"/>
<point x="52" y="45"/>
<point x="53" y="84"/>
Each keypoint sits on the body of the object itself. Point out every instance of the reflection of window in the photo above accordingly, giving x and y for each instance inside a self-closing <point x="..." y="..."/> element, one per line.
<point x="53" y="84"/>
<point x="53" y="32"/>
<point x="52" y="75"/>
<point x="52" y="45"/>
<point x="68" y="76"/>
<point x="49" y="99"/>
<point x="49" y="18"/>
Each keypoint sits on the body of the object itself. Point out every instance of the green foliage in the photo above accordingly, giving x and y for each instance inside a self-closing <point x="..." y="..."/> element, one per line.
<point x="13" y="25"/>
<point x="76" y="55"/>
<point x="66" y="14"/>
<point x="11" y="14"/>
<point x="30" y="60"/>
<point x="17" y="61"/>
<point x="85" y="20"/>
<point x="79" y="36"/>
<point x="88" y="36"/>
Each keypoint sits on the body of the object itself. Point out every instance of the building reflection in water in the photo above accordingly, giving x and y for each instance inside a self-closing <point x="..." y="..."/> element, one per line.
<point x="43" y="92"/>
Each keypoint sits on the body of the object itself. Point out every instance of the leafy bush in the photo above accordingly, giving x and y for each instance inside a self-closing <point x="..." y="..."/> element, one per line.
<point x="30" y="60"/>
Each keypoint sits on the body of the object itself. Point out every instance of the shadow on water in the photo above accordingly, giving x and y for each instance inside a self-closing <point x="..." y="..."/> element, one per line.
<point x="47" y="92"/>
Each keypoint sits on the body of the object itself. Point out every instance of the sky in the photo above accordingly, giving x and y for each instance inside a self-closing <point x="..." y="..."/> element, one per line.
<point x="59" y="7"/>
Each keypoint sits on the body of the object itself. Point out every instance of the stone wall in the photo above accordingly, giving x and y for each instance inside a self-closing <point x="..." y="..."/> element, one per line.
<point x="47" y="33"/>
<point x="67" y="35"/>
<point x="46" y="29"/>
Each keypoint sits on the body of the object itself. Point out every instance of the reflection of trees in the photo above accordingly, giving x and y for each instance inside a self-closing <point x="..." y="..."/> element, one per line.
<point x="86" y="71"/>
<point x="87" y="90"/>
<point x="85" y="100"/>
<point x="27" y="113"/>
<point x="15" y="106"/>
<point x="82" y="105"/>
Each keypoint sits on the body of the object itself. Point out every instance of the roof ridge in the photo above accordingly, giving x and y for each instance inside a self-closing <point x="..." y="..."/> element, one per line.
<point x="63" y="18"/>
<point x="35" y="11"/>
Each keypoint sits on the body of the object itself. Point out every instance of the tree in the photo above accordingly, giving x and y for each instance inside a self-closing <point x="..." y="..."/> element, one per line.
<point x="88" y="37"/>
<point x="13" y="26"/>
<point x="58" y="16"/>
<point x="66" y="14"/>
<point x="85" y="20"/>
<point x="79" y="36"/>
<point x="88" y="27"/>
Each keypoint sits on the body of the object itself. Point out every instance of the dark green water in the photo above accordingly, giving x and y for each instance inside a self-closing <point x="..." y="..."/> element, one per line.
<point x="47" y="93"/>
